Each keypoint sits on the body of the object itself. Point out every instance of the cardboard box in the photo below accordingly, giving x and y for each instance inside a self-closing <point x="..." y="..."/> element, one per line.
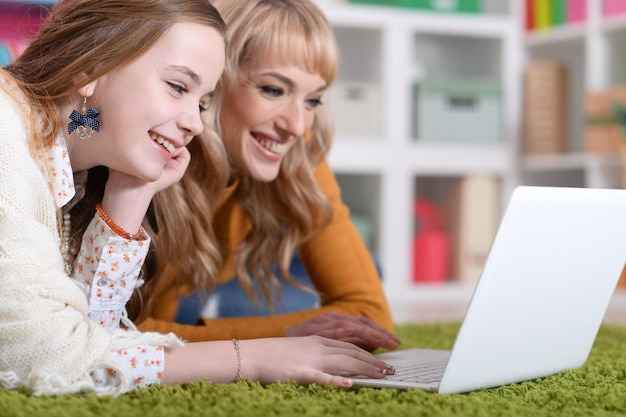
<point x="473" y="213"/>
<point x="602" y="130"/>
<point x="545" y="108"/>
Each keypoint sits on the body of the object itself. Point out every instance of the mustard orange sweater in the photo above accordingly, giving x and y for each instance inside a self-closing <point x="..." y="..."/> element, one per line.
<point x="336" y="259"/>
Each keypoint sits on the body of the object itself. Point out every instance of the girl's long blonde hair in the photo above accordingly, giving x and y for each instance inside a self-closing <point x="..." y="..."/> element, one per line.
<point x="288" y="211"/>
<point x="84" y="39"/>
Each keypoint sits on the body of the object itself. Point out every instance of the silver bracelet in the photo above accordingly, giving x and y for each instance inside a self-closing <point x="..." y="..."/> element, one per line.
<point x="239" y="362"/>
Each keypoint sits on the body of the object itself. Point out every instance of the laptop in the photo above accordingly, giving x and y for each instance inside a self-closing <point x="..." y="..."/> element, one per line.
<point x="541" y="297"/>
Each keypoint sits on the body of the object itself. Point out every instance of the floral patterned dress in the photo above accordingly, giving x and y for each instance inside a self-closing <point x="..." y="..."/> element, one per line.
<point x="108" y="268"/>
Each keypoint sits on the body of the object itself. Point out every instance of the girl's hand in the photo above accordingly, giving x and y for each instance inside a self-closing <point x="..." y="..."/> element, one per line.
<point x="126" y="197"/>
<point x="173" y="170"/>
<point x="361" y="331"/>
<point x="308" y="360"/>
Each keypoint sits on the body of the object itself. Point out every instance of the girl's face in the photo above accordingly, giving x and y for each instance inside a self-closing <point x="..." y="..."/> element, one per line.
<point x="266" y="111"/>
<point x="150" y="109"/>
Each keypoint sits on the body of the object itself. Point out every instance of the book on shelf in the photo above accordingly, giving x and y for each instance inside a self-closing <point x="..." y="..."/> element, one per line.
<point x="613" y="7"/>
<point x="547" y="14"/>
<point x="542" y="14"/>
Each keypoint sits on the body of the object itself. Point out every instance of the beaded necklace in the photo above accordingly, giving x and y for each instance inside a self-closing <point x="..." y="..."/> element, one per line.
<point x="68" y="249"/>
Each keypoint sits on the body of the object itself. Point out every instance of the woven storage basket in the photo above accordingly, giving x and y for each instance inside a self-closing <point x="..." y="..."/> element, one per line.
<point x="458" y="111"/>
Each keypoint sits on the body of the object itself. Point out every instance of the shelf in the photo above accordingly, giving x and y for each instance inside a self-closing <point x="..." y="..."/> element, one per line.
<point x="569" y="162"/>
<point x="574" y="170"/>
<point x="614" y="23"/>
<point x="376" y="156"/>
<point x="449" y="303"/>
<point x="457" y="159"/>
<point x="372" y="16"/>
<point x="431" y="302"/>
<point x="554" y="36"/>
<point x="384" y="52"/>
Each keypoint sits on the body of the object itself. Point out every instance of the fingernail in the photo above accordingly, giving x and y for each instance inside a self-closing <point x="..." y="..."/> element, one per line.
<point x="390" y="370"/>
<point x="381" y="371"/>
<point x="347" y="382"/>
<point x="392" y="343"/>
<point x="378" y="336"/>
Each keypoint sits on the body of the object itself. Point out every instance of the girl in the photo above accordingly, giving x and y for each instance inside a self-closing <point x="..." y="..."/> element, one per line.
<point x="97" y="117"/>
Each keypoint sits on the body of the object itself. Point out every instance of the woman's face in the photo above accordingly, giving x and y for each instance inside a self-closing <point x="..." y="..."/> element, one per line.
<point x="265" y="112"/>
<point x="150" y="109"/>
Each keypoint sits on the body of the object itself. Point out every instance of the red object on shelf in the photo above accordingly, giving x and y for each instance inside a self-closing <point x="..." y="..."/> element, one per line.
<point x="431" y="244"/>
<point x="530" y="15"/>
<point x="614" y="7"/>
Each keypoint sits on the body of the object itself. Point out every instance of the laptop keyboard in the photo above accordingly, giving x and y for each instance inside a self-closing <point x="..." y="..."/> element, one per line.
<point x="423" y="373"/>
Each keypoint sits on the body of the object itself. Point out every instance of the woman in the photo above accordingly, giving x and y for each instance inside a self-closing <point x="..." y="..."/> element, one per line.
<point x="96" y="118"/>
<point x="282" y="197"/>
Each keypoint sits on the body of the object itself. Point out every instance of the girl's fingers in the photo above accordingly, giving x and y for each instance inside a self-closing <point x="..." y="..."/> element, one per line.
<point x="340" y="381"/>
<point x="356" y="361"/>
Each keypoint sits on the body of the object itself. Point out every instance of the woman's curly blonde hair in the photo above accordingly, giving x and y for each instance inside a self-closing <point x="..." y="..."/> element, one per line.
<point x="289" y="210"/>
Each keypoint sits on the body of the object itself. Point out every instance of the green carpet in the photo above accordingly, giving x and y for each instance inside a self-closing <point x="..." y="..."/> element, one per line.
<point x="597" y="389"/>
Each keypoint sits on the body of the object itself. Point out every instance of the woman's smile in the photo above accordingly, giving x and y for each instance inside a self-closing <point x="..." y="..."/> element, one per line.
<point x="269" y="144"/>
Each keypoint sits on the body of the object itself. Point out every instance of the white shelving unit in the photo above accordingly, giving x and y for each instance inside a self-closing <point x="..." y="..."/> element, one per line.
<point x="593" y="53"/>
<point x="380" y="176"/>
<point x="382" y="173"/>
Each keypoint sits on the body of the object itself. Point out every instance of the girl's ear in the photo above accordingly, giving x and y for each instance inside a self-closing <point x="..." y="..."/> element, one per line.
<point x="88" y="89"/>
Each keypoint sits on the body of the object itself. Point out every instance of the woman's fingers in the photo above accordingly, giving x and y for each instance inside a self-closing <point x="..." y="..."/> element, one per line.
<point x="368" y="330"/>
<point x="362" y="336"/>
<point x="363" y="331"/>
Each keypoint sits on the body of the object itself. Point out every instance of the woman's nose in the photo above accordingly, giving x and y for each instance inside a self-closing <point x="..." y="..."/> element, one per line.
<point x="293" y="120"/>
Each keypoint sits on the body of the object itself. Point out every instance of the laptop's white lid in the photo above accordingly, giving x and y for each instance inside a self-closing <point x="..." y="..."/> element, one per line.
<point x="544" y="290"/>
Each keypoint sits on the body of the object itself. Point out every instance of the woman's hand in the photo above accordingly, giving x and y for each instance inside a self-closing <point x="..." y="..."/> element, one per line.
<point x="360" y="331"/>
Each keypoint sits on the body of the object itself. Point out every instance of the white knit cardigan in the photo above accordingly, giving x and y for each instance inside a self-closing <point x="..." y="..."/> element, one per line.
<point x="47" y="343"/>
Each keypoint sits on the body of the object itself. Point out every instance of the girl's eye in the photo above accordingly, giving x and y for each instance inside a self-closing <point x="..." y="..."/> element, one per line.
<point x="203" y="107"/>
<point x="314" y="102"/>
<point x="271" y="91"/>
<point x="178" y="88"/>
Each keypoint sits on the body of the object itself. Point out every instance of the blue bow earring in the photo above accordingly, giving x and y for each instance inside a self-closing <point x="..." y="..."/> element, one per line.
<point x="85" y="123"/>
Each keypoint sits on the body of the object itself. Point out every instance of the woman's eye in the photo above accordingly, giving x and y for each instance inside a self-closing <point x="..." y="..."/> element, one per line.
<point x="178" y="88"/>
<point x="314" y="102"/>
<point x="271" y="91"/>
<point x="203" y="107"/>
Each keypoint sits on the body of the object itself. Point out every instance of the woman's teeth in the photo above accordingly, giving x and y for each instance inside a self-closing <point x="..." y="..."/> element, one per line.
<point x="274" y="147"/>
<point x="163" y="142"/>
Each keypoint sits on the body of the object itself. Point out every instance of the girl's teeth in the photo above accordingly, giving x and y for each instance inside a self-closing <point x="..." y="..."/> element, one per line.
<point x="166" y="144"/>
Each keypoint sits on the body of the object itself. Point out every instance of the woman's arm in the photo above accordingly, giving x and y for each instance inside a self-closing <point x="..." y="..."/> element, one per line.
<point x="353" y="308"/>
